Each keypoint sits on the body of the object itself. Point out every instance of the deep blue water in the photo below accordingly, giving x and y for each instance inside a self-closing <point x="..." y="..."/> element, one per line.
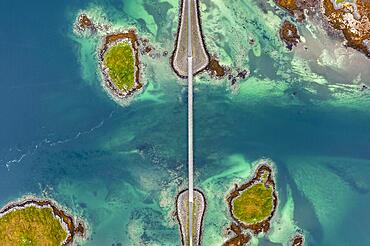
<point x="41" y="83"/>
<point x="56" y="130"/>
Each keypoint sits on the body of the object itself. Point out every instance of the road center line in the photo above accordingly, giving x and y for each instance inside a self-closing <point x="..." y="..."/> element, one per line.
<point x="190" y="124"/>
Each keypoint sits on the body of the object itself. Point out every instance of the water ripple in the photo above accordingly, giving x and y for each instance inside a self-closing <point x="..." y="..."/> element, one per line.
<point x="20" y="154"/>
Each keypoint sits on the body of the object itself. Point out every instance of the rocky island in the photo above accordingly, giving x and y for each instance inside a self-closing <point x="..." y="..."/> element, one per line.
<point x="118" y="55"/>
<point x="298" y="240"/>
<point x="289" y="34"/>
<point x="84" y="23"/>
<point x="352" y="18"/>
<point x="252" y="205"/>
<point x="33" y="221"/>
<point x="295" y="8"/>
<point x="119" y="63"/>
<point x="348" y="19"/>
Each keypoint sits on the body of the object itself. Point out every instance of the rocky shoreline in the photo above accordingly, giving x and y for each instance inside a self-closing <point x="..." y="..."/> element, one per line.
<point x="88" y="27"/>
<point x="237" y="225"/>
<point x="349" y="20"/>
<point x="74" y="227"/>
<point x="109" y="41"/>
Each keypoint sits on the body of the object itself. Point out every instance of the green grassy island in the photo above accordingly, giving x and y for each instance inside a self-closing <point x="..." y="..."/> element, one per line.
<point x="31" y="226"/>
<point x="120" y="65"/>
<point x="254" y="204"/>
<point x="120" y="61"/>
<point x="38" y="222"/>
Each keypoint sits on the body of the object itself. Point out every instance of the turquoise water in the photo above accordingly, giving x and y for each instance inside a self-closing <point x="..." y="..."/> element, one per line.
<point x="120" y="167"/>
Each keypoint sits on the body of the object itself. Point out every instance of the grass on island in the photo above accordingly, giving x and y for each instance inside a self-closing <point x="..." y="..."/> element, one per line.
<point x="31" y="226"/>
<point x="120" y="61"/>
<point x="254" y="204"/>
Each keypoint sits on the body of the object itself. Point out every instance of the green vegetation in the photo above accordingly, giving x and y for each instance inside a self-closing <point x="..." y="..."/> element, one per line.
<point x="187" y="220"/>
<point x="342" y="1"/>
<point x="254" y="204"/>
<point x="120" y="61"/>
<point x="31" y="226"/>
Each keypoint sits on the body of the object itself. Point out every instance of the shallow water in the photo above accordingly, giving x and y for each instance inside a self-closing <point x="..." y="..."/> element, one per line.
<point x="120" y="167"/>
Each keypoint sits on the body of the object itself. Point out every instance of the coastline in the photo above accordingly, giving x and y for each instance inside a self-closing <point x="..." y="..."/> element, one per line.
<point x="264" y="225"/>
<point x="240" y="237"/>
<point x="110" y="40"/>
<point x="73" y="227"/>
<point x="107" y="36"/>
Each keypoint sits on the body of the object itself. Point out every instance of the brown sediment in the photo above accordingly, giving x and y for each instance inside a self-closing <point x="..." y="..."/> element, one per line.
<point x="108" y="41"/>
<point x="264" y="225"/>
<point x="215" y="69"/>
<point x="289" y="34"/>
<point x="239" y="237"/>
<point x="75" y="228"/>
<point x="355" y="25"/>
<point x="298" y="240"/>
